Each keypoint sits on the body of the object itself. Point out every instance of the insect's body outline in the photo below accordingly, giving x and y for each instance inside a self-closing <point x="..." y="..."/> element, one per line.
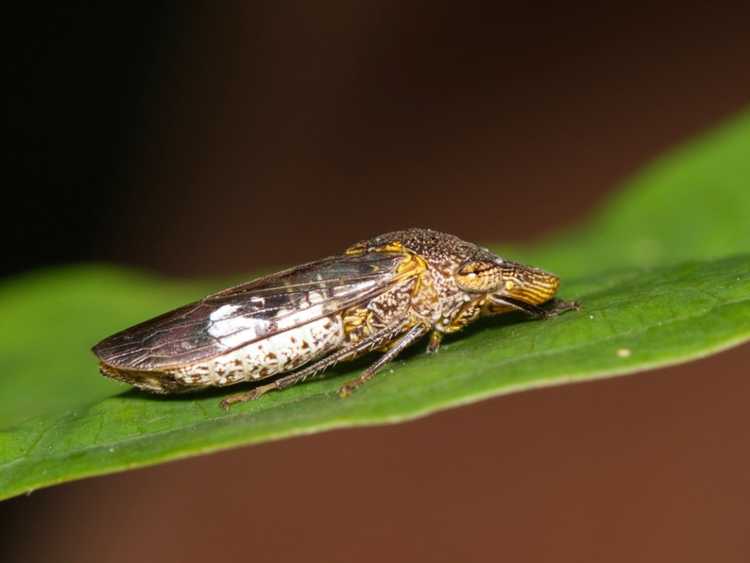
<point x="383" y="293"/>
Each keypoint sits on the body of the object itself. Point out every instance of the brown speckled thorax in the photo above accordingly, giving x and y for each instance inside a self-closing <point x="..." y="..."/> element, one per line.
<point x="383" y="293"/>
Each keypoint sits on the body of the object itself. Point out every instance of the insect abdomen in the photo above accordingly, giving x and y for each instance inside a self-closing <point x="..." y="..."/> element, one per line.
<point x="279" y="353"/>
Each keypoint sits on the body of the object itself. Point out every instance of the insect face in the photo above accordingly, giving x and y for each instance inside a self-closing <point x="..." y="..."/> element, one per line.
<point x="480" y="276"/>
<point x="507" y="280"/>
<point x="529" y="285"/>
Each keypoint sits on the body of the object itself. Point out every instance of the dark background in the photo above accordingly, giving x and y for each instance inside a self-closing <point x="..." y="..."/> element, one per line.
<point x="191" y="139"/>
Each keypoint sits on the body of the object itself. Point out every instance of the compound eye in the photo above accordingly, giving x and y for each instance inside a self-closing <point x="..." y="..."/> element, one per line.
<point x="478" y="276"/>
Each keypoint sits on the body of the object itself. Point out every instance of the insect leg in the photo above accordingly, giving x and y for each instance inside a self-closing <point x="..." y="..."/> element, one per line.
<point x="416" y="332"/>
<point x="558" y="306"/>
<point x="370" y="343"/>
<point x="435" y="339"/>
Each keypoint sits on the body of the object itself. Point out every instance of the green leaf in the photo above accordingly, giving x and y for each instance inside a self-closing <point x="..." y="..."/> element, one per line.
<point x="663" y="274"/>
<point x="692" y="204"/>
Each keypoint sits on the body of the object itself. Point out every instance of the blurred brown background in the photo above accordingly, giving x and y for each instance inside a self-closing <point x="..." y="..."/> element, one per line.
<point x="195" y="139"/>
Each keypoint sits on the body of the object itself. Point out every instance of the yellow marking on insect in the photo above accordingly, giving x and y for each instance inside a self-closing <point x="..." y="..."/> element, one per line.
<point x="392" y="247"/>
<point x="534" y="289"/>
<point x="361" y="248"/>
<point x="356" y="317"/>
<point x="413" y="265"/>
<point x="356" y="249"/>
<point x="469" y="312"/>
<point x="357" y="320"/>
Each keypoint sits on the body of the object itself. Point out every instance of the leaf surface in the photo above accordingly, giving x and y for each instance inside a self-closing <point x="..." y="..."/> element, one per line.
<point x="663" y="273"/>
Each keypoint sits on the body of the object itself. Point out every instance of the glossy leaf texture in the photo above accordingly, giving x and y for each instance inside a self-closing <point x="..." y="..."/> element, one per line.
<point x="663" y="273"/>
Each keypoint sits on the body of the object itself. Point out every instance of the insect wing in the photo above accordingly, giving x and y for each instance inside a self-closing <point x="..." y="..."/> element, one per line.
<point x="250" y="312"/>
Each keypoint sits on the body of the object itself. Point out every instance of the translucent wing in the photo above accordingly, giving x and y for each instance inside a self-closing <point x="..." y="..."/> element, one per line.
<point x="249" y="312"/>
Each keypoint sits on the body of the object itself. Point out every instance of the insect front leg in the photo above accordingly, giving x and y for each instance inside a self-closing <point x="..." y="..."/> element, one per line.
<point x="552" y="309"/>
<point x="559" y="306"/>
<point x="407" y="339"/>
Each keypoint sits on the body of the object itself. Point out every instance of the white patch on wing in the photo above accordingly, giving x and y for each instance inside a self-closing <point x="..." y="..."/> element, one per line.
<point x="233" y="331"/>
<point x="238" y="330"/>
<point x="223" y="312"/>
<point x="316" y="297"/>
<point x="279" y="353"/>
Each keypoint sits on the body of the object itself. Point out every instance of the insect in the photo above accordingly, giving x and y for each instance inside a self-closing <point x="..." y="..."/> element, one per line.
<point x="384" y="294"/>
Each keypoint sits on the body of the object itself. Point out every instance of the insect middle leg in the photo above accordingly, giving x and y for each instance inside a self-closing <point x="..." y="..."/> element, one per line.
<point x="434" y="344"/>
<point x="416" y="332"/>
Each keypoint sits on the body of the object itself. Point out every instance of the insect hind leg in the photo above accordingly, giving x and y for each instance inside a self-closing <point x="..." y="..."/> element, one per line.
<point x="368" y="344"/>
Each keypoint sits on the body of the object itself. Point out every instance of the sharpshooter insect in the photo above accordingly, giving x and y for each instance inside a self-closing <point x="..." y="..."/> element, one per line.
<point x="381" y="294"/>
